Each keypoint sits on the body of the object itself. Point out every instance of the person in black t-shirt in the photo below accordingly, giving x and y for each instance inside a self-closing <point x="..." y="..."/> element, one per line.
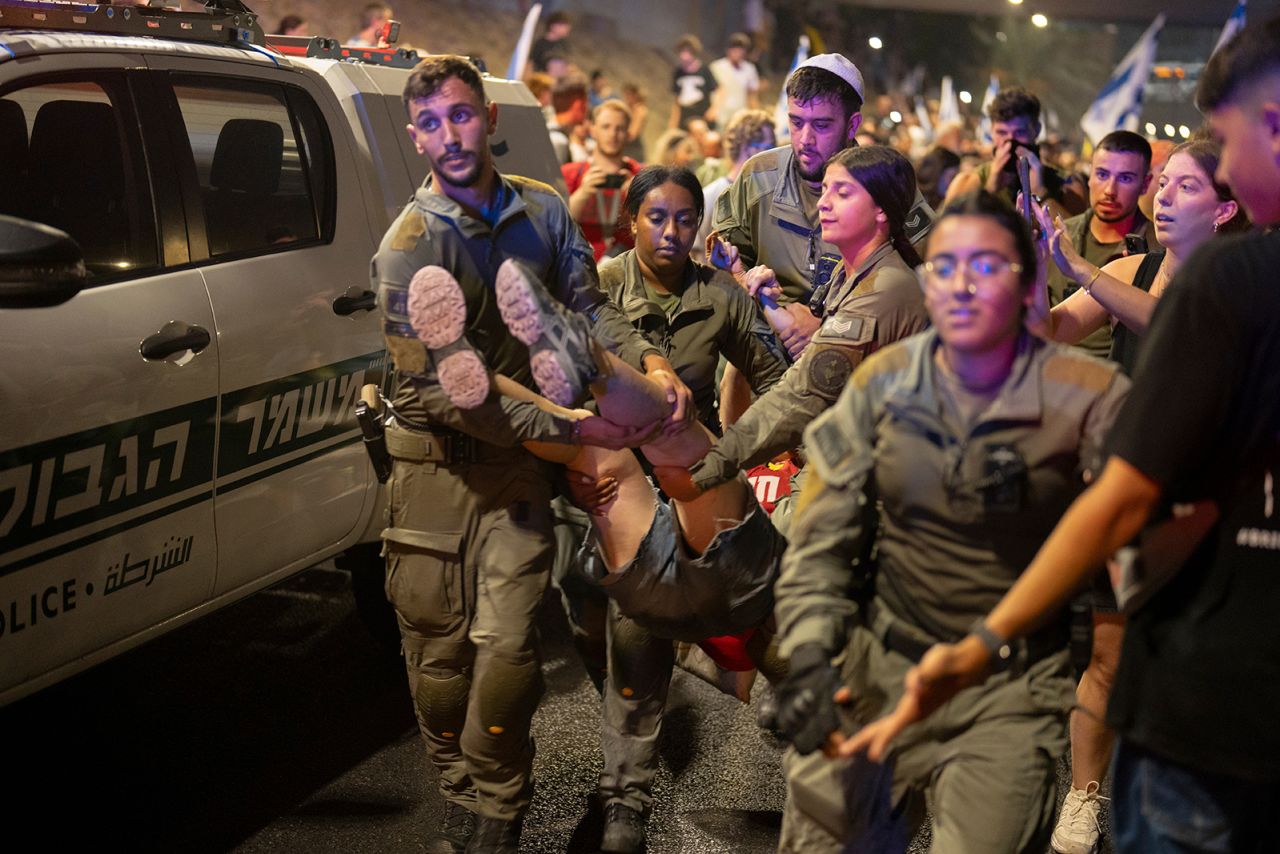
<point x="693" y="85"/>
<point x="559" y="25"/>
<point x="1189" y="209"/>
<point x="1195" y="698"/>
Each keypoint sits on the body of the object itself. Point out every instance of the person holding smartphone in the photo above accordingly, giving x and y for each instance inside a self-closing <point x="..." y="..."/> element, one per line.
<point x="597" y="193"/>
<point x="1015" y="125"/>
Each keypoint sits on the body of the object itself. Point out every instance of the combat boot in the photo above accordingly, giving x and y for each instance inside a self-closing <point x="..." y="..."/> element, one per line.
<point x="623" y="830"/>
<point x="456" y="828"/>
<point x="495" y="836"/>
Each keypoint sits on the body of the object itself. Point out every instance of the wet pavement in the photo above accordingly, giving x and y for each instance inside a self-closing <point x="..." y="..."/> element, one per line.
<point x="279" y="725"/>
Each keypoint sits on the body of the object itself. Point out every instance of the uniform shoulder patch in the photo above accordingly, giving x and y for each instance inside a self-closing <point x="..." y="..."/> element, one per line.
<point x="827" y="445"/>
<point x="409" y="355"/>
<point x="847" y="328"/>
<point x="889" y="360"/>
<point x="829" y="370"/>
<point x="531" y="184"/>
<point x="1079" y="370"/>
<point x="412" y="226"/>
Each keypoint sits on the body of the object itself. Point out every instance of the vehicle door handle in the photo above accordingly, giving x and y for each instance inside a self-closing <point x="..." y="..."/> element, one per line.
<point x="355" y="299"/>
<point x="174" y="337"/>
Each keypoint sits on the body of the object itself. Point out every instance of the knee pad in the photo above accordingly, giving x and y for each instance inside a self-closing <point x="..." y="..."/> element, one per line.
<point x="442" y="704"/>
<point x="636" y="668"/>
<point x="507" y="692"/>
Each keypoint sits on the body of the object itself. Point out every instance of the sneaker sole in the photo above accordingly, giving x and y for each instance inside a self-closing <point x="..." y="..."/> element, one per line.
<point x="437" y="312"/>
<point x="533" y="323"/>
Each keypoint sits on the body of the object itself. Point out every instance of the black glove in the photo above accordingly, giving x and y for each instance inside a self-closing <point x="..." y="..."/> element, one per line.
<point x="806" y="699"/>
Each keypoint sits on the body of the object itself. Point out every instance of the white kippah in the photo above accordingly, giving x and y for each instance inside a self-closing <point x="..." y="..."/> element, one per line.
<point x="838" y="65"/>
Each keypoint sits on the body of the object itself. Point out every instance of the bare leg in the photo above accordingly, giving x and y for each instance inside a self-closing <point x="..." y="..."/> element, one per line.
<point x="735" y="396"/>
<point x="628" y="518"/>
<point x="719" y="508"/>
<point x="1091" y="738"/>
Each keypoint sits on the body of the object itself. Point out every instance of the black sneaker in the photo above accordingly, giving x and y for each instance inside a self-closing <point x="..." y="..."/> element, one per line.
<point x="456" y="828"/>
<point x="767" y="710"/>
<point x="495" y="836"/>
<point x="623" y="830"/>
<point x="560" y="351"/>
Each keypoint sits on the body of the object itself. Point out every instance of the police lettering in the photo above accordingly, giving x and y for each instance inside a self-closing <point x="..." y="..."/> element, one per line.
<point x="300" y="412"/>
<point x="40" y="606"/>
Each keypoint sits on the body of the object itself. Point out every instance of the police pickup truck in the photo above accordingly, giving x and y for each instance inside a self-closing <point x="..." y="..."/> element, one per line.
<point x="178" y="383"/>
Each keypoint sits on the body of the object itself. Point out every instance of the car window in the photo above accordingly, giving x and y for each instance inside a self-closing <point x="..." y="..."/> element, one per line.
<point x="71" y="158"/>
<point x="264" y="180"/>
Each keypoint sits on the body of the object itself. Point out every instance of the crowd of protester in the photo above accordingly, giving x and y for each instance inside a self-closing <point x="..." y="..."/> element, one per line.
<point x="861" y="405"/>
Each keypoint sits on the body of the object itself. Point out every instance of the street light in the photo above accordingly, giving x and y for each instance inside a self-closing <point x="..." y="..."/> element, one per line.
<point x="1040" y="20"/>
<point x="875" y="42"/>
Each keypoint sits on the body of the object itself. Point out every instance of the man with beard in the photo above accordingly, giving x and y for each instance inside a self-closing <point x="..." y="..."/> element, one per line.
<point x="598" y="186"/>
<point x="468" y="539"/>
<point x="1120" y="175"/>
<point x="769" y="215"/>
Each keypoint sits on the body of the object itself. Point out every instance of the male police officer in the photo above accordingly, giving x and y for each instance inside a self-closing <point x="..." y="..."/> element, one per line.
<point x="769" y="215"/>
<point x="469" y="540"/>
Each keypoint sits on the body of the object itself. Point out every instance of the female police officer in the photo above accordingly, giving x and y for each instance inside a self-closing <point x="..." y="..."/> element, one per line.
<point x="955" y="451"/>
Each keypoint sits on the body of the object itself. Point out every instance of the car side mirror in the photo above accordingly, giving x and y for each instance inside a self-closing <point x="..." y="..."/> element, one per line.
<point x="39" y="266"/>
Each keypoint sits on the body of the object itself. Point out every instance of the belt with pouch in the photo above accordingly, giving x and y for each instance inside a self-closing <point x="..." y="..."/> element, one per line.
<point x="907" y="640"/>
<point x="439" y="445"/>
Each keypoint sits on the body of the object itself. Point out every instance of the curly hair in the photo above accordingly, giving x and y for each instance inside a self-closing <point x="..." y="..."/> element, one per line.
<point x="748" y="126"/>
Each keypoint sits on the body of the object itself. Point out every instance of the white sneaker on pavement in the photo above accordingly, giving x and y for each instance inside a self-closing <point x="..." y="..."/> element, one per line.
<point x="1078" y="830"/>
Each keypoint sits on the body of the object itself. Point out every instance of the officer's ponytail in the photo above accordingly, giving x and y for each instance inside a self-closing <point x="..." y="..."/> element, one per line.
<point x="890" y="180"/>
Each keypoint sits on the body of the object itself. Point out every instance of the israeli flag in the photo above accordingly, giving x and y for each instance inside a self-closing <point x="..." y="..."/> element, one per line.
<point x="1234" y="25"/>
<point x="984" y="128"/>
<point x="520" y="56"/>
<point x="1119" y="104"/>
<point x="781" y="121"/>
<point x="922" y="115"/>
<point x="948" y="104"/>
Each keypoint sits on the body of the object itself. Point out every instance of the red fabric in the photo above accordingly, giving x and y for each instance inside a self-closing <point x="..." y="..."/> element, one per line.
<point x="730" y="651"/>
<point x="592" y="229"/>
<point x="772" y="481"/>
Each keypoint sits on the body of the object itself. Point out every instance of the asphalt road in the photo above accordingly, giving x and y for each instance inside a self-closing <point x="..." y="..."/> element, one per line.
<point x="279" y="725"/>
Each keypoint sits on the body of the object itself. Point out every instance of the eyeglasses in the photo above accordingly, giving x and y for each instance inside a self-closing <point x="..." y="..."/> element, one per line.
<point x="980" y="267"/>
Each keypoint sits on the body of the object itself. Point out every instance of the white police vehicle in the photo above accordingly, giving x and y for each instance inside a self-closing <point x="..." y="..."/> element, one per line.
<point x="178" y="426"/>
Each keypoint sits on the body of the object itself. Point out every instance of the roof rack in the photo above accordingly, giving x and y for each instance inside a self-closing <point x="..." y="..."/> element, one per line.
<point x="319" y="47"/>
<point x="225" y="22"/>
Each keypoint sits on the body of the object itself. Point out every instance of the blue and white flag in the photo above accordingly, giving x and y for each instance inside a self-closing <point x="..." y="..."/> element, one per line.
<point x="782" y="124"/>
<point x="520" y="56"/>
<point x="922" y="115"/>
<point x="1119" y="104"/>
<point x="984" y="127"/>
<point x="1234" y="25"/>
<point x="948" y="104"/>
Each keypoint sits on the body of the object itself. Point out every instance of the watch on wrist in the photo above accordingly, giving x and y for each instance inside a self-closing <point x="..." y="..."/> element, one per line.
<point x="998" y="648"/>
